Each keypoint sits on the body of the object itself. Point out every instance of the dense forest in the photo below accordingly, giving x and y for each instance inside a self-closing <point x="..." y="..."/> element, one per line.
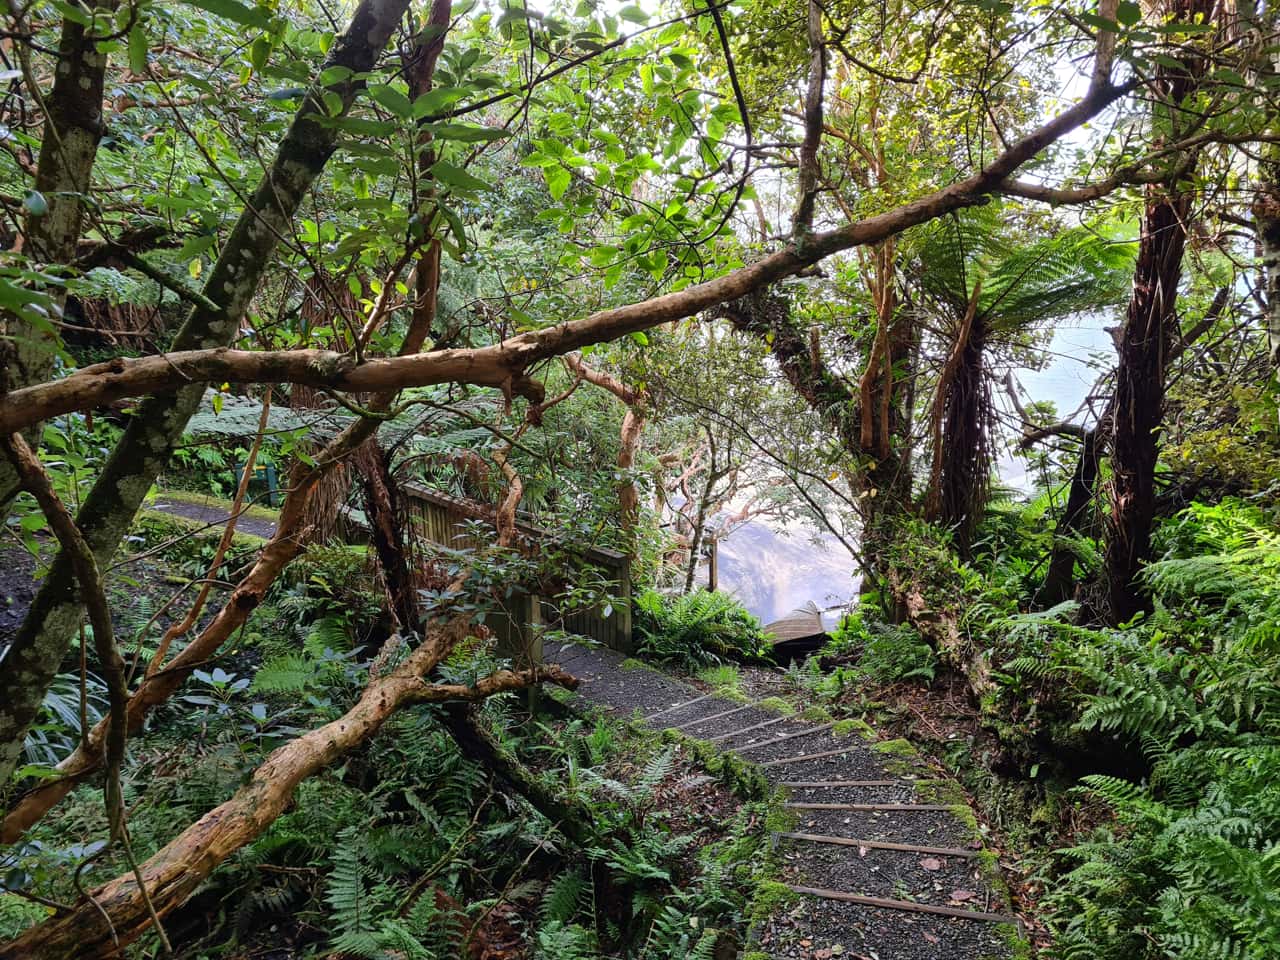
<point x="385" y="385"/>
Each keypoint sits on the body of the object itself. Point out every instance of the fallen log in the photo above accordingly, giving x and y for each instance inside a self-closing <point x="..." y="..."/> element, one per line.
<point x="115" y="914"/>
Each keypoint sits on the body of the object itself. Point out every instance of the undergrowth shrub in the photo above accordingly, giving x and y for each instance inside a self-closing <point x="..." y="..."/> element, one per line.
<point x="702" y="628"/>
<point x="881" y="652"/>
<point x="1191" y="867"/>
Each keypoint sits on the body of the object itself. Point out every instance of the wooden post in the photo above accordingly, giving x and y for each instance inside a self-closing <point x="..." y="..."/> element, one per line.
<point x="713" y="565"/>
<point x="625" y="640"/>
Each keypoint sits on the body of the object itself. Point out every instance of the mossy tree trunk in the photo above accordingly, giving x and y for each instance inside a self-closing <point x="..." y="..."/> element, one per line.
<point x="38" y="648"/>
<point x="73" y="128"/>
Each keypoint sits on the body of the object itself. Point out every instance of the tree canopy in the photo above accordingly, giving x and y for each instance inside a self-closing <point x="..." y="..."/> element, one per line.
<point x="633" y="277"/>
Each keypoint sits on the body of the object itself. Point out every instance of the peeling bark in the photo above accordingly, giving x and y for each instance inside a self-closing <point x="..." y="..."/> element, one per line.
<point x="159" y="685"/>
<point x="178" y="869"/>
<point x="633" y="424"/>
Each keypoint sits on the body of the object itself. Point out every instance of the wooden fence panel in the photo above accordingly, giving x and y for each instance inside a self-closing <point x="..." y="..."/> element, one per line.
<point x="440" y="519"/>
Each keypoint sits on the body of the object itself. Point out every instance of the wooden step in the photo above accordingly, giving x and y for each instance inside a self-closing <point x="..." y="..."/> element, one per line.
<point x="738" y="733"/>
<point x="905" y="905"/>
<point x="810" y="756"/>
<point x="678" y="706"/>
<point x="786" y="736"/>
<point x="880" y="845"/>
<point x="910" y="807"/>
<point x="715" y="716"/>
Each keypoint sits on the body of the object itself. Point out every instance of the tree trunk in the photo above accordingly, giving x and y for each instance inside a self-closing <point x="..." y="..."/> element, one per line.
<point x="73" y="128"/>
<point x="699" y="528"/>
<point x="965" y="451"/>
<point x="938" y="623"/>
<point x="1145" y="343"/>
<point x="1266" y="215"/>
<point x="386" y="521"/>
<point x="1059" y="578"/>
<point x="1149" y="334"/>
<point x="633" y="424"/>
<point x="36" y="652"/>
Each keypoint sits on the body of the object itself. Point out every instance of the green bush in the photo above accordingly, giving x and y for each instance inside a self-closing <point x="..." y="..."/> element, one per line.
<point x="1191" y="868"/>
<point x="881" y="652"/>
<point x="699" y="629"/>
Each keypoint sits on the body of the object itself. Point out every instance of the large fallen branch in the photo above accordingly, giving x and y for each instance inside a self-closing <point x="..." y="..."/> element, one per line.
<point x="174" y="873"/>
<point x="503" y="364"/>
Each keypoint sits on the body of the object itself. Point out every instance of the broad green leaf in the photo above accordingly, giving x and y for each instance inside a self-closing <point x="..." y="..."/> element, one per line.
<point x="259" y="52"/>
<point x="234" y="10"/>
<point x="332" y="75"/>
<point x="138" y="49"/>
<point x="467" y="132"/>
<point x="438" y="100"/>
<point x="392" y="99"/>
<point x="634" y="14"/>
<point x="557" y="180"/>
<point x="456" y="228"/>
<point x="447" y="173"/>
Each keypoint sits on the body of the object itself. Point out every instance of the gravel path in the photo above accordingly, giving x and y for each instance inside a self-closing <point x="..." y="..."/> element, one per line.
<point x="214" y="513"/>
<point x="928" y="904"/>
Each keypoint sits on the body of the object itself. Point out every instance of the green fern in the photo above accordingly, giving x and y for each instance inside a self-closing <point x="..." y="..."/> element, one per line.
<point x="564" y="897"/>
<point x="290" y="673"/>
<point x="698" y="628"/>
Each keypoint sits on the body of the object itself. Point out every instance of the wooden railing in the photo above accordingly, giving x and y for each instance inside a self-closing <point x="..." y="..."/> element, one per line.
<point x="444" y="520"/>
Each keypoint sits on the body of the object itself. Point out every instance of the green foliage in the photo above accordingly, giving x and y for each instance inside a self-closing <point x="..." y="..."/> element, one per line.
<point x="16" y="914"/>
<point x="189" y="546"/>
<point x="698" y="628"/>
<point x="881" y="652"/>
<point x="1190" y="869"/>
<point x="57" y="730"/>
<point x="1194" y="869"/>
